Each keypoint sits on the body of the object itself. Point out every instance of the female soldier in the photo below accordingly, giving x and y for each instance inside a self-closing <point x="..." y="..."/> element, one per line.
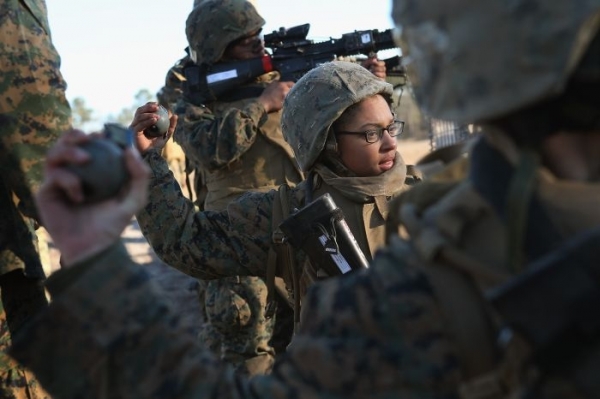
<point x="338" y="121"/>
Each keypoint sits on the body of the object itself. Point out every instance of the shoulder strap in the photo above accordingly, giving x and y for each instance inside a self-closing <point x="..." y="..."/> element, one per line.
<point x="422" y="196"/>
<point x="281" y="257"/>
<point x="471" y="324"/>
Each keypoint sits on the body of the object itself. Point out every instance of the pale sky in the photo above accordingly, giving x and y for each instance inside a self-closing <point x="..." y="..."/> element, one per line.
<point x="111" y="49"/>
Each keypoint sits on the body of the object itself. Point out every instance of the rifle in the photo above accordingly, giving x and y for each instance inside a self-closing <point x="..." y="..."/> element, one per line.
<point x="292" y="55"/>
<point x="320" y="230"/>
<point x="554" y="306"/>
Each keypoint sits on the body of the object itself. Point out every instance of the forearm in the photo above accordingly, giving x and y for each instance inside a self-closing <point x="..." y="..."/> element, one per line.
<point x="214" y="140"/>
<point x="205" y="245"/>
<point x="107" y="332"/>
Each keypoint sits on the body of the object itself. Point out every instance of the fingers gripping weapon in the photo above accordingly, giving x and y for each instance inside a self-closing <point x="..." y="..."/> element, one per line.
<point x="319" y="229"/>
<point x="292" y="55"/>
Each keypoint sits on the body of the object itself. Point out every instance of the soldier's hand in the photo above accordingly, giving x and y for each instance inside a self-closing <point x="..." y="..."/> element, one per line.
<point x="78" y="228"/>
<point x="274" y="94"/>
<point x="145" y="117"/>
<point x="375" y="66"/>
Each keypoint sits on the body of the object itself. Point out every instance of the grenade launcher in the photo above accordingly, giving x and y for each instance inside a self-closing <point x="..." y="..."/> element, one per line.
<point x="292" y="55"/>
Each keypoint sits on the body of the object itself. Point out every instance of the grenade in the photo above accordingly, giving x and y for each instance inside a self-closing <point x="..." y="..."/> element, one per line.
<point x="162" y="124"/>
<point x="103" y="176"/>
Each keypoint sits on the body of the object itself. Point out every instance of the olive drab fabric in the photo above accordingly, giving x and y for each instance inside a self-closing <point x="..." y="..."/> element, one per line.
<point x="213" y="24"/>
<point x="235" y="147"/>
<point x="33" y="113"/>
<point x="263" y="166"/>
<point x="455" y="83"/>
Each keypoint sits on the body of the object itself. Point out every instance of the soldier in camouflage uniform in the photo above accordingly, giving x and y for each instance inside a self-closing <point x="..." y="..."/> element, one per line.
<point x="416" y="323"/>
<point x="347" y="148"/>
<point x="361" y="176"/>
<point x="33" y="112"/>
<point x="235" y="147"/>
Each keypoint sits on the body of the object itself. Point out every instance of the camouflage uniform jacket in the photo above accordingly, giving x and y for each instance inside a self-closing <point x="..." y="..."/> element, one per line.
<point x="236" y="241"/>
<point x="33" y="112"/>
<point x="134" y="349"/>
<point x="237" y="146"/>
<point x="385" y="332"/>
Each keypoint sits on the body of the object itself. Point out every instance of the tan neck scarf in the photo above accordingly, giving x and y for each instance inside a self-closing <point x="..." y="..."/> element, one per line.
<point x="376" y="189"/>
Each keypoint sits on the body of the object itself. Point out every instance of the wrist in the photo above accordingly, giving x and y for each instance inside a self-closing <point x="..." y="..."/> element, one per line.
<point x="76" y="252"/>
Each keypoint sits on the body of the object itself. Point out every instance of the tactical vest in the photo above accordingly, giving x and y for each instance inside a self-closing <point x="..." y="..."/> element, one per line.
<point x="265" y="166"/>
<point x="365" y="221"/>
<point x="465" y="249"/>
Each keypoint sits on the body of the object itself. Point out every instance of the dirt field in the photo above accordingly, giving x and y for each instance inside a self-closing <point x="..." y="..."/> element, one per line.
<point x="413" y="150"/>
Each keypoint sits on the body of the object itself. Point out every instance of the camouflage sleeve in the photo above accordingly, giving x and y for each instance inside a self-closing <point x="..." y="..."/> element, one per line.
<point x="136" y="344"/>
<point x="376" y="334"/>
<point x="205" y="245"/>
<point x="377" y="331"/>
<point x="33" y="106"/>
<point x="214" y="140"/>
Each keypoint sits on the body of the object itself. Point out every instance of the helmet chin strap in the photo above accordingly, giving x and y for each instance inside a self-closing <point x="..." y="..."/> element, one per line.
<point x="331" y="146"/>
<point x="331" y="157"/>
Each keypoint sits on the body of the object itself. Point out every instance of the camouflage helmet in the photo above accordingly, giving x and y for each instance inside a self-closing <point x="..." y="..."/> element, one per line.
<point x="525" y="52"/>
<point x="213" y="24"/>
<point x="318" y="99"/>
<point x="173" y="88"/>
<point x="197" y="2"/>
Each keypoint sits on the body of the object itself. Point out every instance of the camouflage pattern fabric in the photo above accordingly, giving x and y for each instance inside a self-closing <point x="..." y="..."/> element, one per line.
<point x="234" y="307"/>
<point x="21" y="299"/>
<point x="253" y="2"/>
<point x="379" y="333"/>
<point x="33" y="112"/>
<point x="33" y="106"/>
<point x="236" y="147"/>
<point x="453" y="82"/>
<point x="236" y="326"/>
<point x="213" y="24"/>
<point x="310" y="109"/>
<point x="232" y="141"/>
<point x="332" y="356"/>
<point x="235" y="241"/>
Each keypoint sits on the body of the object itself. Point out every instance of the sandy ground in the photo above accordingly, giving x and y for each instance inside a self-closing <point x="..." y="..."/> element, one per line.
<point x="179" y="288"/>
<point x="413" y="150"/>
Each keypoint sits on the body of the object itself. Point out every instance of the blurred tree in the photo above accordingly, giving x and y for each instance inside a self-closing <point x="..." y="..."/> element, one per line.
<point x="81" y="113"/>
<point x="126" y="115"/>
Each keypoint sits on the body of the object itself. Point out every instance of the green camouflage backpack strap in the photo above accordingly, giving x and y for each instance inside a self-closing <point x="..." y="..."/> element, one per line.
<point x="451" y="272"/>
<point x="281" y="258"/>
<point x="426" y="195"/>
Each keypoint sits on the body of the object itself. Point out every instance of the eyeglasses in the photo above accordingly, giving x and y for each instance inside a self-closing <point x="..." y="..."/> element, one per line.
<point x="374" y="135"/>
<point x="246" y="40"/>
